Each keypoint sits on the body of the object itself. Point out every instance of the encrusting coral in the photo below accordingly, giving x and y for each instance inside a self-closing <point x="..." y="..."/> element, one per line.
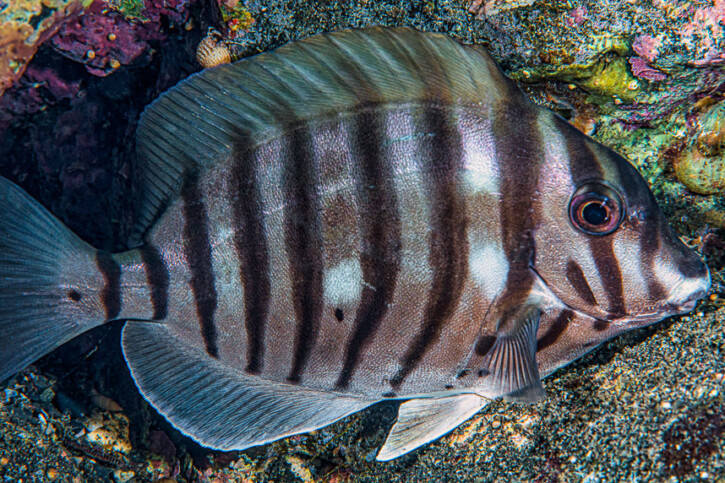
<point x="24" y="25"/>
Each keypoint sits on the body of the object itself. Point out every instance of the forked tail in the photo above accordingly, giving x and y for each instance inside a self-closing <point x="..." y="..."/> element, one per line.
<point x="50" y="284"/>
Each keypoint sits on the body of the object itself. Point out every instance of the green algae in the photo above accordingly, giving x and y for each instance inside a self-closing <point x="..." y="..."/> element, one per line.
<point x="605" y="75"/>
<point x="130" y="9"/>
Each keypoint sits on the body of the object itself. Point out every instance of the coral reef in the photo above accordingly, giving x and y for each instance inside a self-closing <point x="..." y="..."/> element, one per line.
<point x="24" y="26"/>
<point x="104" y="40"/>
<point x="237" y="18"/>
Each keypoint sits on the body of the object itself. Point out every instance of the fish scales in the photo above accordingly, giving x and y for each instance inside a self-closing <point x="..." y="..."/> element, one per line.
<point x="415" y="179"/>
<point x="362" y="215"/>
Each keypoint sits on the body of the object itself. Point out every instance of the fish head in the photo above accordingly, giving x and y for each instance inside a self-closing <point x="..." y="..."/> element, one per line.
<point x="605" y="248"/>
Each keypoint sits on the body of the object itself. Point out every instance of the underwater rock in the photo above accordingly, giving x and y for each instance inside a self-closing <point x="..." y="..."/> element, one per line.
<point x="672" y="49"/>
<point x="701" y="163"/>
<point x="24" y="25"/>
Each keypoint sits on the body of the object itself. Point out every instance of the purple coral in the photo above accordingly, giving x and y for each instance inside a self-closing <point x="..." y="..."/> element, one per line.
<point x="40" y="87"/>
<point x="647" y="47"/>
<point x="641" y="69"/>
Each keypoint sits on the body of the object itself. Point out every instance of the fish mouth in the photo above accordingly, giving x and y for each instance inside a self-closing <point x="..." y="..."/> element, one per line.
<point x="684" y="307"/>
<point x="654" y="313"/>
<point x="664" y="311"/>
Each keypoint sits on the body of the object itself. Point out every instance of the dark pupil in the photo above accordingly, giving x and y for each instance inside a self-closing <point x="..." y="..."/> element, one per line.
<point x="595" y="213"/>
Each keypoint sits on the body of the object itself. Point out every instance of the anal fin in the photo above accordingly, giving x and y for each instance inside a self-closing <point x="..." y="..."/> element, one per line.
<point x="509" y="368"/>
<point x="421" y="421"/>
<point x="219" y="406"/>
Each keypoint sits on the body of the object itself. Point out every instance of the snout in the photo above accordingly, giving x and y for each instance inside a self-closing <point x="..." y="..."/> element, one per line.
<point x="685" y="294"/>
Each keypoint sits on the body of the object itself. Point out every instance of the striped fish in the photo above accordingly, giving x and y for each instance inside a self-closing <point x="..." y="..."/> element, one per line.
<point x="362" y="215"/>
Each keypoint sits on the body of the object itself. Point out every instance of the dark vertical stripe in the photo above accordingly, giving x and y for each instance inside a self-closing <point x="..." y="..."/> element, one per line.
<point x="578" y="281"/>
<point x="555" y="330"/>
<point x="111" y="294"/>
<point x="303" y="240"/>
<point x="157" y="276"/>
<point x="251" y="246"/>
<point x="380" y="227"/>
<point x="653" y="226"/>
<point x="448" y="255"/>
<point x="197" y="250"/>
<point x="650" y="243"/>
<point x="610" y="273"/>
<point x="520" y="158"/>
<point x="584" y="165"/>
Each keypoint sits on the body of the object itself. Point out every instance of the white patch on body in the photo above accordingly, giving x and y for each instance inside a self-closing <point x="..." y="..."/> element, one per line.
<point x="686" y="288"/>
<point x="489" y="268"/>
<point x="555" y="173"/>
<point x="479" y="150"/>
<point x="480" y="174"/>
<point x="668" y="275"/>
<point x="343" y="283"/>
<point x="628" y="256"/>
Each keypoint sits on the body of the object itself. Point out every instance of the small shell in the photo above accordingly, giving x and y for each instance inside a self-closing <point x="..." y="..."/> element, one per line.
<point x="212" y="51"/>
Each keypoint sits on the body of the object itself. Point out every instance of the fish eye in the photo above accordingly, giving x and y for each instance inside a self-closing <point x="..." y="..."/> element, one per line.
<point x="596" y="209"/>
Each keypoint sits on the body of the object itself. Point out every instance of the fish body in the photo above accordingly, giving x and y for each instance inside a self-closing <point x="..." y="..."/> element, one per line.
<point x="363" y="215"/>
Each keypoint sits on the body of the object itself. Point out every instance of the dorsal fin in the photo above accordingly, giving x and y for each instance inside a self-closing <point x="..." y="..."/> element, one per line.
<point x="204" y="118"/>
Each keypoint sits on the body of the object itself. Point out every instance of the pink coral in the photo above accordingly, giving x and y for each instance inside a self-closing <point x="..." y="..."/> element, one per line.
<point x="576" y="16"/>
<point x="48" y="78"/>
<point x="647" y="47"/>
<point x="98" y="39"/>
<point x="706" y="30"/>
<point x="641" y="69"/>
<point x="39" y="88"/>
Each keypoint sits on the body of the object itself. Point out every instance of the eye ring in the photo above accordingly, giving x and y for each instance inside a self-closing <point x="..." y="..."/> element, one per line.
<point x="596" y="209"/>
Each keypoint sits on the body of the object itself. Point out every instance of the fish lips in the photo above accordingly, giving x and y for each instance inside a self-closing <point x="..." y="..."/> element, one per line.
<point x="665" y="310"/>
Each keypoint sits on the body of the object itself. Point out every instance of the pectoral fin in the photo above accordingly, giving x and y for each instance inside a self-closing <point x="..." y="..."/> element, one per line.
<point x="421" y="421"/>
<point x="509" y="368"/>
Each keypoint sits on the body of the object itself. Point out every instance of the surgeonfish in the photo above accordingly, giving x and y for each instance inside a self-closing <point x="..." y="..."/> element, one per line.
<point x="362" y="215"/>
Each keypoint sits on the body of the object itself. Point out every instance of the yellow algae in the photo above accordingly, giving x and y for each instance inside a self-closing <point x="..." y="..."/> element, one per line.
<point x="611" y="78"/>
<point x="606" y="74"/>
<point x="701" y="163"/>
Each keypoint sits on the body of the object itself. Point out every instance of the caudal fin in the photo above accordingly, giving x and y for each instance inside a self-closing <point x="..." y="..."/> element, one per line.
<point x="48" y="281"/>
